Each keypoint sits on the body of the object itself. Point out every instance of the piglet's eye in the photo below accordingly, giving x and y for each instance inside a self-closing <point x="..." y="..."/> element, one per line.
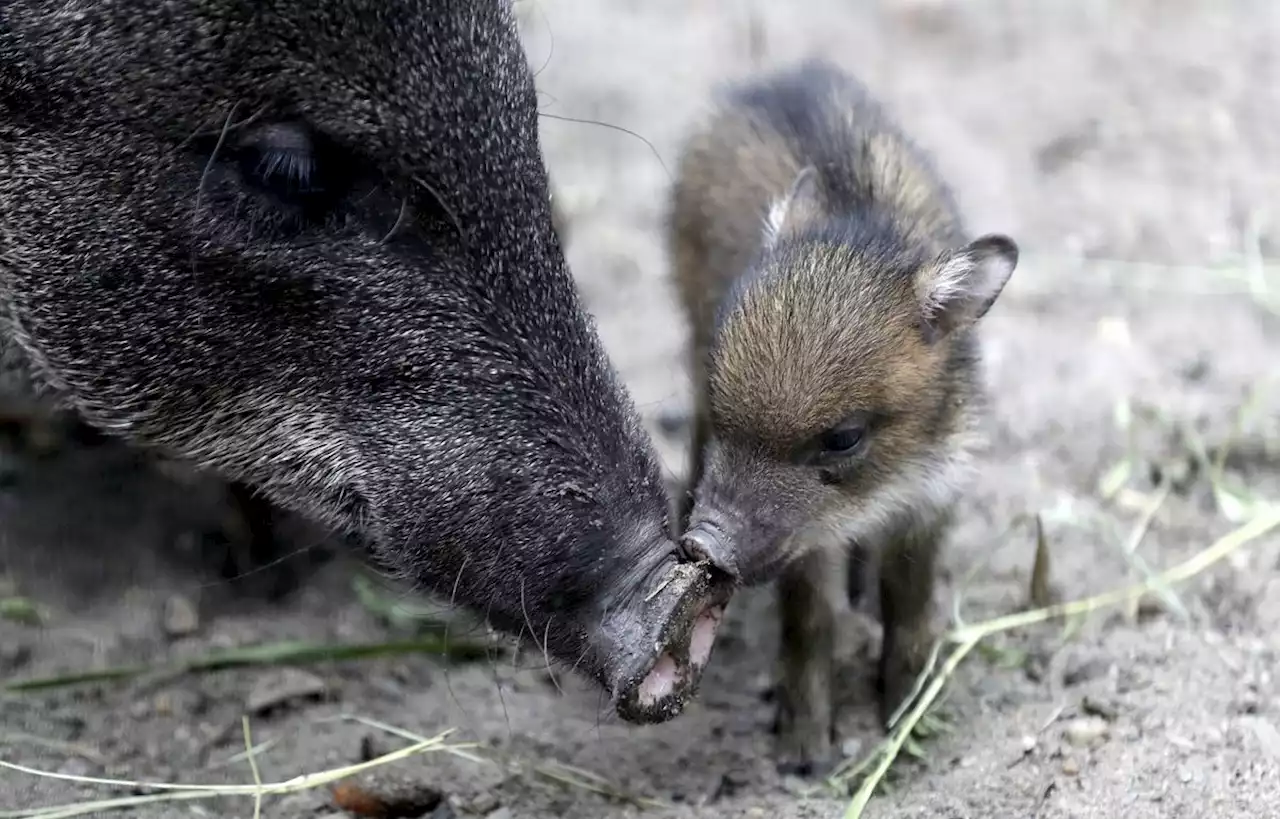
<point x="842" y="440"/>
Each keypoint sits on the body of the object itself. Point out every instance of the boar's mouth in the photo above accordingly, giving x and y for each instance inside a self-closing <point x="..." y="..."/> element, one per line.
<point x="665" y="642"/>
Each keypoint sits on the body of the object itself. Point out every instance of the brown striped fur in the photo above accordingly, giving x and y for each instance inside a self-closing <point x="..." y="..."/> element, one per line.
<point x="830" y="285"/>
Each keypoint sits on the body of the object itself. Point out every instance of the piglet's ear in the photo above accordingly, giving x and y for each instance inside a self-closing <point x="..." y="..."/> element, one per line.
<point x="960" y="286"/>
<point x="801" y="201"/>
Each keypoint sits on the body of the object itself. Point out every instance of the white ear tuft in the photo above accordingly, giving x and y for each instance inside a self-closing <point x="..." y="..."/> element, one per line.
<point x="958" y="289"/>
<point x="774" y="220"/>
<point x="786" y="212"/>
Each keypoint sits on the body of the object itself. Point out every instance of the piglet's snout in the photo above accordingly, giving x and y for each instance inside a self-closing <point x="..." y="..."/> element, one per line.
<point x="707" y="540"/>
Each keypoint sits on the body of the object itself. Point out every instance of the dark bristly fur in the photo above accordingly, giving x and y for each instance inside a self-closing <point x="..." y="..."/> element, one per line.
<point x="437" y="388"/>
<point x="833" y="297"/>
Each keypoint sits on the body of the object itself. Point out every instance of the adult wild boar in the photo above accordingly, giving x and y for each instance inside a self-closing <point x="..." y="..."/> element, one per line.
<point x="308" y="244"/>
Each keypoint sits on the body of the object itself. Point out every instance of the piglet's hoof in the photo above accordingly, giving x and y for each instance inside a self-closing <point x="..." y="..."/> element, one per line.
<point x="679" y="620"/>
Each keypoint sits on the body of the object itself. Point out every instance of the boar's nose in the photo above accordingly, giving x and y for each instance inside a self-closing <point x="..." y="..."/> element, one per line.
<point x="708" y="541"/>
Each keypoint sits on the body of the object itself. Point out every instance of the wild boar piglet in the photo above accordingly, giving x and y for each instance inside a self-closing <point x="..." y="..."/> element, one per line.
<point x="833" y="297"/>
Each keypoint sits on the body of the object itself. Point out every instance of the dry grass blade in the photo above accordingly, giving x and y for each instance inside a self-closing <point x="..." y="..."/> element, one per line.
<point x="253" y="767"/>
<point x="286" y="653"/>
<point x="1115" y="478"/>
<point x="1233" y="502"/>
<point x="968" y="637"/>
<point x="403" y="733"/>
<point x="554" y="771"/>
<point x="179" y="792"/>
<point x="257" y="751"/>
<point x="1263" y="523"/>
<point x="69" y="748"/>
<point x="21" y="610"/>
<point x="1170" y="598"/>
<point x="893" y="745"/>
<point x="930" y="664"/>
<point x="1041" y="593"/>
<point x="594" y="783"/>
<point x="398" y="610"/>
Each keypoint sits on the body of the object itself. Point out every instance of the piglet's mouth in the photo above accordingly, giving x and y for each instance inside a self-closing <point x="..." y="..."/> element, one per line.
<point x="680" y="619"/>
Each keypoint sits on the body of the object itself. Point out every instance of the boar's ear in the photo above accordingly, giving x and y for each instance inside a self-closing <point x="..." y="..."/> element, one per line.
<point x="960" y="286"/>
<point x="790" y="211"/>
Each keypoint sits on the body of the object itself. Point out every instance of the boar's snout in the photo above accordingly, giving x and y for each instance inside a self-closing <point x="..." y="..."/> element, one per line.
<point x="659" y="645"/>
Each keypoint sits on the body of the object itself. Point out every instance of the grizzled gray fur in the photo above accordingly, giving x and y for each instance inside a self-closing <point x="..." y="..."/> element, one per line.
<point x="308" y="244"/>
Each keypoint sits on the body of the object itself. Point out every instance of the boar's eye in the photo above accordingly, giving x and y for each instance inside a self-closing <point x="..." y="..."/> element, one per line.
<point x="843" y="440"/>
<point x="294" y="166"/>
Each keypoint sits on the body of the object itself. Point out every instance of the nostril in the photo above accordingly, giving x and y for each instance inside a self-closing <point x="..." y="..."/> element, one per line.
<point x="693" y="546"/>
<point x="706" y="541"/>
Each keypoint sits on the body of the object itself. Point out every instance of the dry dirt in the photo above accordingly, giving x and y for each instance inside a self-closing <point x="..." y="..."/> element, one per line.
<point x="1129" y="146"/>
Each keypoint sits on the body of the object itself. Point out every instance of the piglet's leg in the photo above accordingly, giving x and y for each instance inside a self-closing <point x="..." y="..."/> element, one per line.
<point x="812" y="600"/>
<point x="906" y="585"/>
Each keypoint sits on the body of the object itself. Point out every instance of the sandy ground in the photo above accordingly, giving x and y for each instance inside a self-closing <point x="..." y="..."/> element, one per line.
<point x="1126" y="145"/>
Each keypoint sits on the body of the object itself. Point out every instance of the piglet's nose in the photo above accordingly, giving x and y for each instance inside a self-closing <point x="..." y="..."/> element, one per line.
<point x="706" y="541"/>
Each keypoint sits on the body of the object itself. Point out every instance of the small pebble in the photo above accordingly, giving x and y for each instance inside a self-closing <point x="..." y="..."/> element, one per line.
<point x="162" y="705"/>
<point x="1128" y="680"/>
<point x="182" y="702"/>
<point x="502" y="813"/>
<point x="730" y="783"/>
<point x="1267" y="734"/>
<point x="75" y="767"/>
<point x="1070" y="767"/>
<point x="370" y="748"/>
<point x="1028" y="744"/>
<point x="14" y="655"/>
<point x="282" y="687"/>
<point x="180" y="617"/>
<point x="1095" y="707"/>
<point x="388" y="688"/>
<point x="483" y="804"/>
<point x="1115" y="330"/>
<point x="851" y="747"/>
<point x="1197" y="369"/>
<point x="795" y="786"/>
<point x="297" y="804"/>
<point x="1149" y="608"/>
<point x="1085" y="731"/>
<point x="1035" y="667"/>
<point x="444" y="811"/>
<point x="1083" y="671"/>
